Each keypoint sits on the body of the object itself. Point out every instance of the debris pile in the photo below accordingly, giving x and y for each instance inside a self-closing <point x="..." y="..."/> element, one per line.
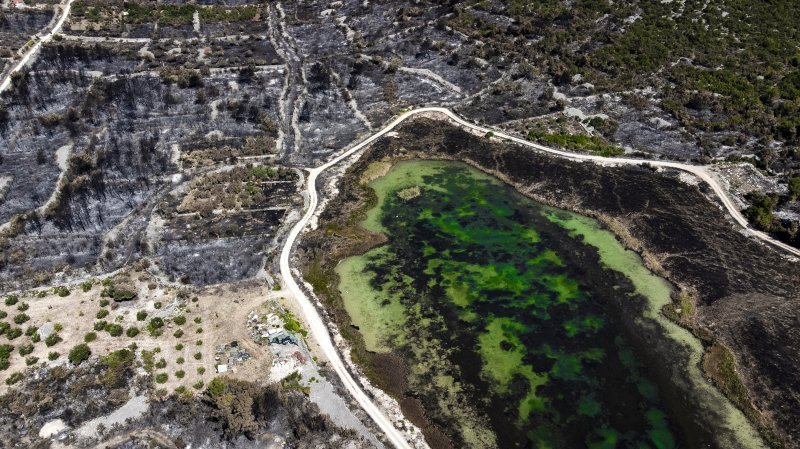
<point x="229" y="355"/>
<point x="269" y="329"/>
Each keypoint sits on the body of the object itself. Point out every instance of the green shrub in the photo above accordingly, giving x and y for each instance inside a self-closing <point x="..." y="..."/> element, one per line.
<point x="61" y="291"/>
<point x="118" y="358"/>
<point x="162" y="378"/>
<point x="180" y="360"/>
<point x="180" y="320"/>
<point x="23" y="306"/>
<point x="13" y="333"/>
<point x="161" y="363"/>
<point x="14" y="378"/>
<point x="154" y="326"/>
<point x="132" y="331"/>
<point x="198" y="356"/>
<point x="31" y="360"/>
<point x="157" y="305"/>
<point x="201" y="370"/>
<point x="178" y="333"/>
<point x="90" y="337"/>
<point x="25" y="349"/>
<point x="179" y="374"/>
<point x="216" y="388"/>
<point x="52" y="340"/>
<point x="21" y="318"/>
<point x="3" y="314"/>
<point x="198" y="385"/>
<point x="30" y="331"/>
<point x="118" y="293"/>
<point x="102" y="313"/>
<point x="79" y="354"/>
<point x="292" y="324"/>
<point x="592" y="144"/>
<point x="115" y="330"/>
<point x="179" y="346"/>
<point x="86" y="286"/>
<point x="100" y="325"/>
<point x="141" y="315"/>
<point x="198" y="320"/>
<point x="293" y="382"/>
<point x="11" y="300"/>
<point x="53" y="356"/>
<point x="5" y="353"/>
<point x="103" y="302"/>
<point x="147" y="360"/>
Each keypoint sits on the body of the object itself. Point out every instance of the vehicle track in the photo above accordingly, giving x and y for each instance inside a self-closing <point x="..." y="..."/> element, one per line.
<point x="291" y="100"/>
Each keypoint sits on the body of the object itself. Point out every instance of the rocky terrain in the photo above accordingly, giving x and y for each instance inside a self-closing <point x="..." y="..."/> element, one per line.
<point x="169" y="140"/>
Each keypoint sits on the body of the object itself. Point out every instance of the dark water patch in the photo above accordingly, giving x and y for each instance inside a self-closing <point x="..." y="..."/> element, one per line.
<point x="514" y="331"/>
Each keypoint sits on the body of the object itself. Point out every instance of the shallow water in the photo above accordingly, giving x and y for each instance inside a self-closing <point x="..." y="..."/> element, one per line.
<point x="507" y="318"/>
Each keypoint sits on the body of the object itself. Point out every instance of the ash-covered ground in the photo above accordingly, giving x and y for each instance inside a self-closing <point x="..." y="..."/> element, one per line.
<point x="134" y="101"/>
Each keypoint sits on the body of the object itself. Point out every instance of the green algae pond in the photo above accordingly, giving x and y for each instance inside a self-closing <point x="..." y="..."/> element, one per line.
<point x="521" y="325"/>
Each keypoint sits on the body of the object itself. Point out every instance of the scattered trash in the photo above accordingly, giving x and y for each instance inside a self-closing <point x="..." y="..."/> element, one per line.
<point x="232" y="354"/>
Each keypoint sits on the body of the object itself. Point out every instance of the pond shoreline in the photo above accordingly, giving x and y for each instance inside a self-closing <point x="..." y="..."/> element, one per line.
<point x="351" y="200"/>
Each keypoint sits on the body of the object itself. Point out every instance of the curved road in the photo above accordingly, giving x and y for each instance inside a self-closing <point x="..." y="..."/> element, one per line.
<point x="35" y="47"/>
<point x="320" y="330"/>
<point x="317" y="326"/>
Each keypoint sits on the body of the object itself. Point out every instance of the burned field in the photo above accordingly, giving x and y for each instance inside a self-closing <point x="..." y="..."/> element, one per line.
<point x="132" y="93"/>
<point x="222" y="225"/>
<point x="16" y="28"/>
<point x="107" y="146"/>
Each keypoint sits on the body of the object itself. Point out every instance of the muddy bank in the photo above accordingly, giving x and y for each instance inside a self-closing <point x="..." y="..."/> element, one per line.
<point x="681" y="234"/>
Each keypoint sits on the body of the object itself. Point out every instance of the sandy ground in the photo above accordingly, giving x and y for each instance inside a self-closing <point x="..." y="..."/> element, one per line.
<point x="221" y="312"/>
<point x="743" y="178"/>
<point x="132" y="409"/>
